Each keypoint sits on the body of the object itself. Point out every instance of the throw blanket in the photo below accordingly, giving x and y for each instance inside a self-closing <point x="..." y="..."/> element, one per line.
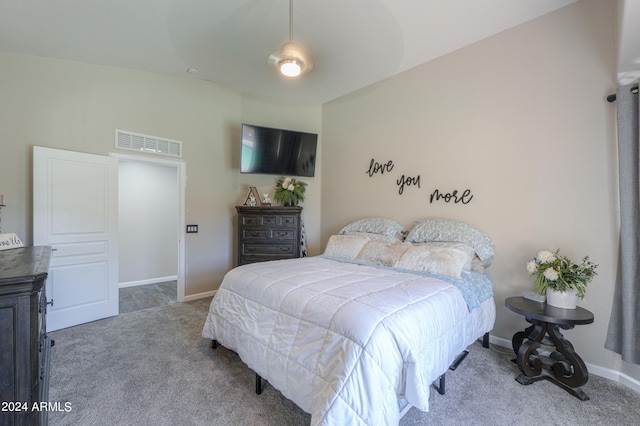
<point x="344" y="341"/>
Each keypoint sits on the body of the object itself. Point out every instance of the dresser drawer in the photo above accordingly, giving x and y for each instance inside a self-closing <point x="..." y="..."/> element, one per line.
<point x="264" y="258"/>
<point x="251" y="220"/>
<point x="262" y="234"/>
<point x="288" y="221"/>
<point x="254" y="234"/>
<point x="282" y="234"/>
<point x="279" y="250"/>
<point x="269" y="220"/>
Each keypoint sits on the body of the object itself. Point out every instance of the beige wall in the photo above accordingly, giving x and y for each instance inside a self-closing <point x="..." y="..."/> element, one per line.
<point x="521" y="120"/>
<point x="75" y="106"/>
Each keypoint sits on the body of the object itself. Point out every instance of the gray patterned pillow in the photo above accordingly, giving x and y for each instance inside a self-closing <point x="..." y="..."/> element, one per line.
<point x="374" y="237"/>
<point x="429" y="230"/>
<point x="376" y="225"/>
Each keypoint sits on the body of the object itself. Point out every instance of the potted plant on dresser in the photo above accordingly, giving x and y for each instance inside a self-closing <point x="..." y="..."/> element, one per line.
<point x="289" y="191"/>
<point x="562" y="280"/>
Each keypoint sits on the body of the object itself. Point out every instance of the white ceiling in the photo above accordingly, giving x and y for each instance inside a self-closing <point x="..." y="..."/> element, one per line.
<point x="354" y="43"/>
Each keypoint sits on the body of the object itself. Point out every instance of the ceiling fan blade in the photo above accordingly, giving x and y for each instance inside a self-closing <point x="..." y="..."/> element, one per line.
<point x="274" y="58"/>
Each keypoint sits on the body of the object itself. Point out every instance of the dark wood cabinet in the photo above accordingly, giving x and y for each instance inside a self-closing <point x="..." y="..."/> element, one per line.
<point x="268" y="233"/>
<point x="24" y="344"/>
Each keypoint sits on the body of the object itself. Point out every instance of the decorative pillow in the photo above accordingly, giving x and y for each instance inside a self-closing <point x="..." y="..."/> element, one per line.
<point x="450" y="230"/>
<point x="375" y="237"/>
<point x="434" y="260"/>
<point x="345" y="246"/>
<point x="376" y="225"/>
<point x="466" y="248"/>
<point x="382" y="253"/>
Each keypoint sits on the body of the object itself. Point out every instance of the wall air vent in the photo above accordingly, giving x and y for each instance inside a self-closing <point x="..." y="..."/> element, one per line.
<point x="149" y="144"/>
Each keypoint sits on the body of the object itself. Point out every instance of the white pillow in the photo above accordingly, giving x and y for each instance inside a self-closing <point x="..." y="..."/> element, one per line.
<point x="382" y="253"/>
<point x="345" y="246"/>
<point x="470" y="251"/>
<point x="435" y="260"/>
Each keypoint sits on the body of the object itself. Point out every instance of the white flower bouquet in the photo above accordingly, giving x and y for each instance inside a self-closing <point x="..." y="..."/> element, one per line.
<point x="289" y="191"/>
<point x="557" y="272"/>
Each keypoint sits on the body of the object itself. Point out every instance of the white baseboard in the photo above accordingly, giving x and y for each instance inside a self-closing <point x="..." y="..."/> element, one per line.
<point x="614" y="375"/>
<point x="499" y="341"/>
<point x="597" y="370"/>
<point x="629" y="382"/>
<point x="197" y="296"/>
<point x="149" y="281"/>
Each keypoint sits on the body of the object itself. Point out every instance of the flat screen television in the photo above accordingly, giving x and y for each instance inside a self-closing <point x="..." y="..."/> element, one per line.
<point x="277" y="151"/>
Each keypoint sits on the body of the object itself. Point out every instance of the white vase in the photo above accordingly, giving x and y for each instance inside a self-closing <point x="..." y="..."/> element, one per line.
<point x="562" y="299"/>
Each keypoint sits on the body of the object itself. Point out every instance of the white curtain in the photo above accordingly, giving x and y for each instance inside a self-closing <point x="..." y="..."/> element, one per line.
<point x="623" y="337"/>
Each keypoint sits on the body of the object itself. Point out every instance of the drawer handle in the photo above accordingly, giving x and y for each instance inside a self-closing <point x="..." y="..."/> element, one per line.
<point x="49" y="302"/>
<point x="283" y="249"/>
<point x="255" y="234"/>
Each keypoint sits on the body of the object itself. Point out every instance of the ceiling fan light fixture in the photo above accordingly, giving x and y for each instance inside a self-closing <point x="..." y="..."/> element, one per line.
<point x="292" y="61"/>
<point x="290" y="67"/>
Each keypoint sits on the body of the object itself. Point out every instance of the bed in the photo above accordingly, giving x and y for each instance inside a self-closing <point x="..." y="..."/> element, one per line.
<point x="354" y="334"/>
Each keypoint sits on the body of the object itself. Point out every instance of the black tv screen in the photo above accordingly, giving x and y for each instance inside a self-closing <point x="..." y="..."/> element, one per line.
<point x="277" y="151"/>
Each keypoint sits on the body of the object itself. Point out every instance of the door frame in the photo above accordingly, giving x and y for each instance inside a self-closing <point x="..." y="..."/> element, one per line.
<point x="182" y="184"/>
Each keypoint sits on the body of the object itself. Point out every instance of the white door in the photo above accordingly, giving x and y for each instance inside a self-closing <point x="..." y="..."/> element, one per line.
<point x="75" y="211"/>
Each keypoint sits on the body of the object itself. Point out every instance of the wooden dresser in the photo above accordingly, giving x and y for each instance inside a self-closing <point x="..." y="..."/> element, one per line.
<point x="25" y="346"/>
<point x="268" y="233"/>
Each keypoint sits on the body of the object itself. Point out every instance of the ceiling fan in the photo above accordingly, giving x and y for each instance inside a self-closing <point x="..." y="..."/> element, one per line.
<point x="291" y="60"/>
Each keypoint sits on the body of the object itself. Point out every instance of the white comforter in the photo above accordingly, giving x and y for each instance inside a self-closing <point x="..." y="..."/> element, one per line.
<point x="344" y="341"/>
